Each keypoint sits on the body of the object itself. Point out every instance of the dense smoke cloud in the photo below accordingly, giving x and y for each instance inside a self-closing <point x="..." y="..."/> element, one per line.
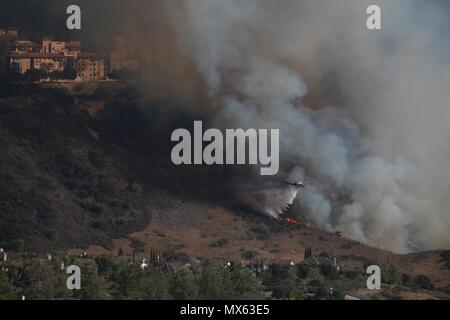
<point x="363" y="114"/>
<point x="380" y="142"/>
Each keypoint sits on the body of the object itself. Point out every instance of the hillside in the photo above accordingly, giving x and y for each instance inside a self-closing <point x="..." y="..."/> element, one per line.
<point x="86" y="168"/>
<point x="60" y="185"/>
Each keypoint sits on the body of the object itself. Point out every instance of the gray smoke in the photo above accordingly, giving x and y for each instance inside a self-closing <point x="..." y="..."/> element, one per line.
<point x="381" y="140"/>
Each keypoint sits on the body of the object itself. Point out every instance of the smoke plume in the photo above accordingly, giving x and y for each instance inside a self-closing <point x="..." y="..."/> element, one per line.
<point x="361" y="113"/>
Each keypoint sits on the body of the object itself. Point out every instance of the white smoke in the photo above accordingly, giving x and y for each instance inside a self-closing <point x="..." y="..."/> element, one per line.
<point x="386" y="141"/>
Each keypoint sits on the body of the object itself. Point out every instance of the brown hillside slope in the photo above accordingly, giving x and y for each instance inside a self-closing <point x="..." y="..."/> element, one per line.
<point x="196" y="228"/>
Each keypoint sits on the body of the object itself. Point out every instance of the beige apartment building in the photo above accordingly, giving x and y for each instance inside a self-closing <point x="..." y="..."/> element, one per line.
<point x="91" y="66"/>
<point x="120" y="61"/>
<point x="50" y="46"/>
<point x="119" y="57"/>
<point x="49" y="63"/>
<point x="21" y="62"/>
<point x="73" y="49"/>
<point x="11" y="33"/>
<point x="18" y="63"/>
<point x="54" y="56"/>
<point x="26" y="46"/>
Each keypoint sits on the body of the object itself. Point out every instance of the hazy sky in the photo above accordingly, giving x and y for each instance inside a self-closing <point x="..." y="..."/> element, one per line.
<point x="101" y="19"/>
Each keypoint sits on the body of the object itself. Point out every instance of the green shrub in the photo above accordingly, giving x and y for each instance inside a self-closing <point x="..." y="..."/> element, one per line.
<point x="180" y="256"/>
<point x="97" y="159"/>
<point x="219" y="243"/>
<point x="137" y="244"/>
<point x="446" y="258"/>
<point x="6" y="288"/>
<point x="262" y="231"/>
<point x="329" y="272"/>
<point x="249" y="255"/>
<point x="423" y="282"/>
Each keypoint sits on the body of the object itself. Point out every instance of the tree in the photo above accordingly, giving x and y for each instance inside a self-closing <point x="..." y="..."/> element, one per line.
<point x="33" y="75"/>
<point x="329" y="271"/>
<point x="93" y="286"/>
<point x="283" y="282"/>
<point x="392" y="275"/>
<point x="127" y="279"/>
<point x="321" y="293"/>
<point x="6" y="288"/>
<point x="154" y="285"/>
<point x="308" y="252"/>
<point x="424" y="282"/>
<point x="211" y="284"/>
<point x="40" y="282"/>
<point x="246" y="284"/>
<point x="68" y="73"/>
<point x="184" y="285"/>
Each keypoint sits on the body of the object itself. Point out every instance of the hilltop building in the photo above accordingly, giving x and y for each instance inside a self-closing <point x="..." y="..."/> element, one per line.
<point x="26" y="46"/>
<point x="10" y="33"/>
<point x="57" y="56"/>
<point x="73" y="49"/>
<point x="21" y="62"/>
<point x="119" y="57"/>
<point x="67" y="48"/>
<point x="49" y="46"/>
<point x="91" y="66"/>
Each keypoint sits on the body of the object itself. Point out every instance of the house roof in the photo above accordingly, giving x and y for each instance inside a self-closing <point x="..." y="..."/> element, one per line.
<point x="73" y="44"/>
<point x="92" y="55"/>
<point x="28" y="55"/>
<point x="26" y="44"/>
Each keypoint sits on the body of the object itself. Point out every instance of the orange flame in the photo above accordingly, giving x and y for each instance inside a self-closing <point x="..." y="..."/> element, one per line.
<point x="299" y="223"/>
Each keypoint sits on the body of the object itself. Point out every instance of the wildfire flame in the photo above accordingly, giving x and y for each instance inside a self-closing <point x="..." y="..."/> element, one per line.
<point x="299" y="223"/>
